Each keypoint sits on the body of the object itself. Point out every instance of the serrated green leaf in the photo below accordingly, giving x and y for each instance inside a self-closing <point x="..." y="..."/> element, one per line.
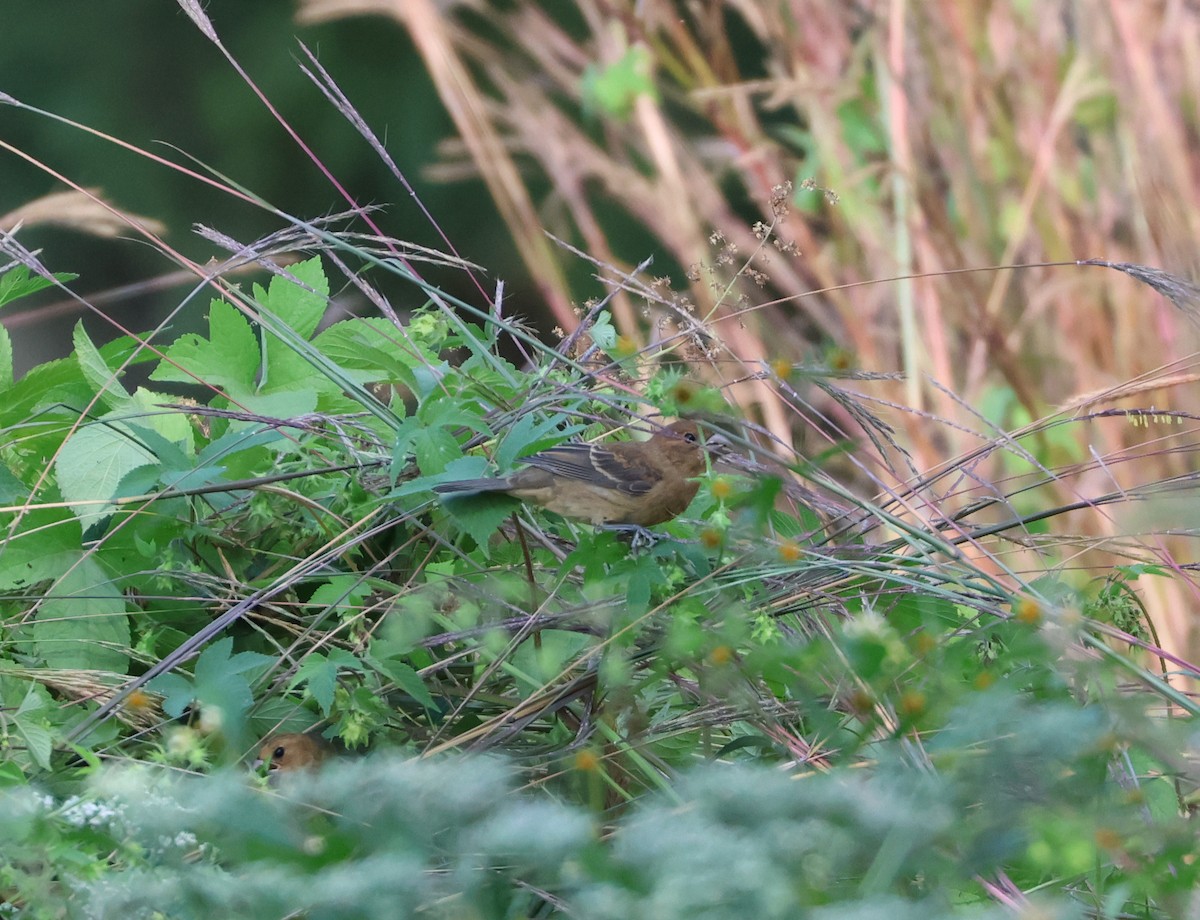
<point x="46" y="547"/>
<point x="216" y="664"/>
<point x="341" y="592"/>
<point x="94" y="461"/>
<point x="47" y="384"/>
<point x="12" y="490"/>
<point x="434" y="448"/>
<point x="83" y="621"/>
<point x="319" y="676"/>
<point x="368" y="344"/>
<point x="300" y="308"/>
<point x="603" y="333"/>
<point x="228" y="359"/>
<point x="16" y="283"/>
<point x="219" y="684"/>
<point x="319" y="673"/>
<point x="480" y="514"/>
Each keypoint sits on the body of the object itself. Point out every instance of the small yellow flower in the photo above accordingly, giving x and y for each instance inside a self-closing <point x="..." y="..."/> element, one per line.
<point x="913" y="703"/>
<point x="1028" y="611"/>
<point x="924" y="643"/>
<point x="1107" y="838"/>
<point x="984" y="679"/>
<point x="790" y="551"/>
<point x="720" y="655"/>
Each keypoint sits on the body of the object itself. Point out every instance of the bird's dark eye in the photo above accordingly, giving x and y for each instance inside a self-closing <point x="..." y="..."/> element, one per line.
<point x="690" y="438"/>
<point x="279" y="752"/>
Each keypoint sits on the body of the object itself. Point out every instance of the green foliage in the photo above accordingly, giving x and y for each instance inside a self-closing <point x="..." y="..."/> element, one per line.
<point x="766" y="723"/>
<point x="614" y="90"/>
<point x="1011" y="785"/>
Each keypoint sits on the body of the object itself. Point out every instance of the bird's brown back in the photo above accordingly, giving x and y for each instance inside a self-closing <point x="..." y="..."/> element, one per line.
<point x="627" y="482"/>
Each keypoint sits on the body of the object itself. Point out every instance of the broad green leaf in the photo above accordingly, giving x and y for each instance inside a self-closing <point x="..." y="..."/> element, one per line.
<point x="342" y="592"/>
<point x="480" y="514"/>
<point x="94" y="461"/>
<point x="177" y="693"/>
<point x="219" y="682"/>
<point x="83" y="622"/>
<point x="375" y="348"/>
<point x="38" y="740"/>
<point x="319" y="674"/>
<point x="46" y="546"/>
<point x="96" y="371"/>
<point x="228" y="359"/>
<point x="54" y="382"/>
<point x="603" y="333"/>
<point x="12" y="490"/>
<point x="408" y="680"/>
<point x="300" y="308"/>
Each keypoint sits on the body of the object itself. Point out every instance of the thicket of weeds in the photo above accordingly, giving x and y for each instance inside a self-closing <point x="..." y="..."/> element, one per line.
<point x="906" y="652"/>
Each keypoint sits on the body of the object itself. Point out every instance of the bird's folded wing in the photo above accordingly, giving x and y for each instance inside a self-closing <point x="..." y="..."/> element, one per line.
<point x="598" y="466"/>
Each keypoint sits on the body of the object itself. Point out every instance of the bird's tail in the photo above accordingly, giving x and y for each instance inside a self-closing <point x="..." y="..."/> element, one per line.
<point x="474" y="485"/>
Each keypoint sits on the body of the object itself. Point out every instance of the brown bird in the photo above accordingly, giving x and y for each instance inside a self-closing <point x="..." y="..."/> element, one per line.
<point x="632" y="483"/>
<point x="292" y="751"/>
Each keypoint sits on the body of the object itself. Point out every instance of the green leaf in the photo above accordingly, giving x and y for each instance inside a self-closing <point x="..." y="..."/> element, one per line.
<point x="6" y="360"/>
<point x="219" y="682"/>
<point x="480" y="514"/>
<point x="83" y="622"/>
<point x="383" y="352"/>
<point x="177" y="693"/>
<point x="228" y="359"/>
<point x="614" y="89"/>
<point x="528" y="435"/>
<point x="408" y="680"/>
<point x="12" y="775"/>
<point x="94" y="461"/>
<point x="12" y="490"/>
<point x="320" y="673"/>
<point x="96" y="371"/>
<point x="603" y="333"/>
<point x="39" y="742"/>
<point x="16" y="283"/>
<point x="46" y="546"/>
<point x="300" y="308"/>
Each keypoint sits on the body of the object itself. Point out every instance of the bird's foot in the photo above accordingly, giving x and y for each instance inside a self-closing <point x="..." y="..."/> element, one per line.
<point x="638" y="536"/>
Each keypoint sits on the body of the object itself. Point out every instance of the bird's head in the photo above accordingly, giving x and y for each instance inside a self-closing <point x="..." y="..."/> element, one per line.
<point x="291" y="751"/>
